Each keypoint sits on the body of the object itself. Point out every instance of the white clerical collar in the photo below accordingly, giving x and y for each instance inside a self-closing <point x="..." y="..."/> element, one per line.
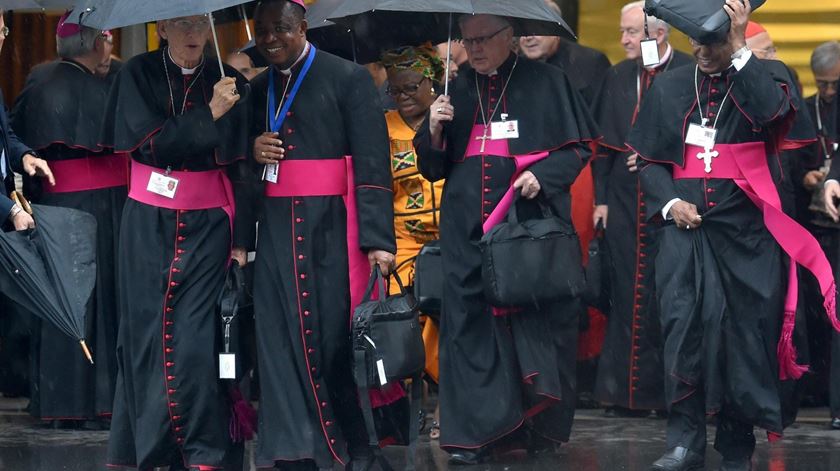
<point x="300" y="58"/>
<point x="184" y="70"/>
<point x="665" y="58"/>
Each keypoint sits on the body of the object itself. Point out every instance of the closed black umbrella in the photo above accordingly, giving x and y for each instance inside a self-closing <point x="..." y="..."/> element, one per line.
<point x="51" y="270"/>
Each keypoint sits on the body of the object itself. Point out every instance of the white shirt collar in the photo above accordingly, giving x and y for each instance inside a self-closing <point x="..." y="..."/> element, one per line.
<point x="185" y="71"/>
<point x="300" y="58"/>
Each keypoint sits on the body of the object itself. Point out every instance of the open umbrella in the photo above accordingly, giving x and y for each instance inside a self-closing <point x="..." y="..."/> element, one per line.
<point x="394" y="23"/>
<point x="51" y="270"/>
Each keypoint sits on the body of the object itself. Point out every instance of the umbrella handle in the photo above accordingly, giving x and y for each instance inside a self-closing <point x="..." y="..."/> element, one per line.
<point x="86" y="350"/>
<point x="216" y="44"/>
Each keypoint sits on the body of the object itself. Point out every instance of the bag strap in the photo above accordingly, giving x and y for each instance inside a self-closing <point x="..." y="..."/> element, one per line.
<point x="541" y="200"/>
<point x="367" y="410"/>
<point x="375" y="275"/>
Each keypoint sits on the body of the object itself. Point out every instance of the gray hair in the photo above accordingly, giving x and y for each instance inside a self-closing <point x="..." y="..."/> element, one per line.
<point x="654" y="23"/>
<point x="825" y="57"/>
<point x="77" y="45"/>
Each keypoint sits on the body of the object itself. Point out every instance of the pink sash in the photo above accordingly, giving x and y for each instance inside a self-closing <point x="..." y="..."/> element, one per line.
<point x="196" y="190"/>
<point x="746" y="165"/>
<point x="88" y="173"/>
<point x="334" y="177"/>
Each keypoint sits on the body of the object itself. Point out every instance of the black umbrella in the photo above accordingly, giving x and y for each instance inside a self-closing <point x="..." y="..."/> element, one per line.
<point x="51" y="270"/>
<point x="394" y="23"/>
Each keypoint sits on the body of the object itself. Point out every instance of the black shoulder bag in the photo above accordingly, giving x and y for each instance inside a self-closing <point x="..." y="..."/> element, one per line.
<point x="428" y="280"/>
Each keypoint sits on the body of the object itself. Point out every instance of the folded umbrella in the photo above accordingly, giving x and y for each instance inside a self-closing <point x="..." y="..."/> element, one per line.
<point x="51" y="270"/>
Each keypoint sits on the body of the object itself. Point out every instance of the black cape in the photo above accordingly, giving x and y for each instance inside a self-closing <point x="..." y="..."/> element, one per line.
<point x="60" y="115"/>
<point x="309" y="408"/>
<point x="495" y="369"/>
<point x="630" y="367"/>
<point x="170" y="407"/>
<point x="720" y="288"/>
<point x="584" y="66"/>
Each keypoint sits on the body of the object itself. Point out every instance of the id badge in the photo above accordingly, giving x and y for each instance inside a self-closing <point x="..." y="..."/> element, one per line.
<point x="227" y="366"/>
<point x="504" y="130"/>
<point x="271" y="172"/>
<point x="701" y="136"/>
<point x="162" y="185"/>
<point x="650" y="53"/>
<point x="380" y="370"/>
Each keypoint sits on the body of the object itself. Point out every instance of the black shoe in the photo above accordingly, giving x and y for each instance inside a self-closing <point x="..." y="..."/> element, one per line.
<point x="744" y="464"/>
<point x="538" y="445"/>
<point x="835" y="423"/>
<point x="465" y="457"/>
<point x="679" y="459"/>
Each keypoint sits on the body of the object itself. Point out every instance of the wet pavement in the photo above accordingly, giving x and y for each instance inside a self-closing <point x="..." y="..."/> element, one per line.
<point x="598" y="444"/>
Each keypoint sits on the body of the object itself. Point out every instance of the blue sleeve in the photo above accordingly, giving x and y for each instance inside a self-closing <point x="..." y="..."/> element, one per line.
<point x="5" y="207"/>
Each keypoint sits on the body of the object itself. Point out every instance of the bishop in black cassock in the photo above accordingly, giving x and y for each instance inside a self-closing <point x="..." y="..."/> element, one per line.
<point x="501" y="374"/>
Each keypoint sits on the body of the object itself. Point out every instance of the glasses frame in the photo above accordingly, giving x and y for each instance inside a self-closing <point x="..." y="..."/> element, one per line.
<point x="469" y="43"/>
<point x="395" y="93"/>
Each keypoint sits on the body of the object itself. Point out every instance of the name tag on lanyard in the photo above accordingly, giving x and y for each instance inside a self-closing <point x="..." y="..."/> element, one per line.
<point x="271" y="171"/>
<point x="701" y="136"/>
<point x="650" y="53"/>
<point x="504" y="130"/>
<point x="227" y="366"/>
<point x="162" y="185"/>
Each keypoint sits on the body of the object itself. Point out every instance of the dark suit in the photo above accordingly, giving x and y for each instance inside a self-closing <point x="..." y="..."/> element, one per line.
<point x="15" y="150"/>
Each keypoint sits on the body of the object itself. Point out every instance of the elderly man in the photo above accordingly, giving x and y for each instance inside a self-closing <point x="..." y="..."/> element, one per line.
<point x="60" y="115"/>
<point x="188" y="138"/>
<point x="315" y="117"/>
<point x="629" y="379"/>
<point x="509" y="373"/>
<point x="823" y="107"/>
<point x="709" y="168"/>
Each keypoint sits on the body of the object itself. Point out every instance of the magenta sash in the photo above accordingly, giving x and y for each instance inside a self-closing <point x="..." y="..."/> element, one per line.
<point x="88" y="173"/>
<point x="334" y="177"/>
<point x="196" y="190"/>
<point x="746" y="165"/>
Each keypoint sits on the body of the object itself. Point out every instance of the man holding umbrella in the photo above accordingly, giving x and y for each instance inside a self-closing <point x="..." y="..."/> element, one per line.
<point x="187" y="138"/>
<point x="502" y="377"/>
<point x="311" y="110"/>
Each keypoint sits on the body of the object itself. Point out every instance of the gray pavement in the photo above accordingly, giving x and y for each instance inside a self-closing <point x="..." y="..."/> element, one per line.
<point x="598" y="444"/>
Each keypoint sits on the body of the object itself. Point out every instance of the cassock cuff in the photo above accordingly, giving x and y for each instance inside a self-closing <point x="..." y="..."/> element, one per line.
<point x="829" y="180"/>
<point x="667" y="209"/>
<point x="740" y="62"/>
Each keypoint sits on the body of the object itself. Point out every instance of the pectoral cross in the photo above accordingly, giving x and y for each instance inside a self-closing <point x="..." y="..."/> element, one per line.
<point x="706" y="156"/>
<point x="483" y="138"/>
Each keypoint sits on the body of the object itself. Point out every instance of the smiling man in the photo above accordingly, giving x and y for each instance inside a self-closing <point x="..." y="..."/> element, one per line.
<point x="322" y="137"/>
<point x="708" y="138"/>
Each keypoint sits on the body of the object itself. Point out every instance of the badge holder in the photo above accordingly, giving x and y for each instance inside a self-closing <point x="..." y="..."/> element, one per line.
<point x="163" y="184"/>
<point x="227" y="360"/>
<point x="650" y="50"/>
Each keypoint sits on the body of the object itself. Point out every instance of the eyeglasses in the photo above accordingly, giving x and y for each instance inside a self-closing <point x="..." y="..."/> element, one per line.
<point x="826" y="84"/>
<point x="409" y="90"/>
<point x="5" y="31"/>
<point x="187" y="26"/>
<point x="480" y="40"/>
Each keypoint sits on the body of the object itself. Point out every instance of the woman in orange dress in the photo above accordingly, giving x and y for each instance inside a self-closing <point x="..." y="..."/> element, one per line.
<point x="414" y="75"/>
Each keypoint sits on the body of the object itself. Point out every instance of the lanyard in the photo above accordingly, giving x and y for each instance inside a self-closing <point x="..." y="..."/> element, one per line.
<point x="704" y="120"/>
<point x="276" y="119"/>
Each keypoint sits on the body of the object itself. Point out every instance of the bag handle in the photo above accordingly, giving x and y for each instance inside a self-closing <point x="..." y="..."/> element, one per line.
<point x="541" y="200"/>
<point x="377" y="276"/>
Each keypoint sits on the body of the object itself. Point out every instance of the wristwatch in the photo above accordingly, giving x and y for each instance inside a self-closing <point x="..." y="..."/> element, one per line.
<point x="740" y="53"/>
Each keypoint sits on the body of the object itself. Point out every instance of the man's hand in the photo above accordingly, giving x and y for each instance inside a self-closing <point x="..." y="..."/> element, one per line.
<point x="33" y="166"/>
<point x="528" y="184"/>
<point x="440" y="112"/>
<point x="384" y="259"/>
<point x="267" y="148"/>
<point x="600" y="214"/>
<point x="23" y="221"/>
<point x="239" y="254"/>
<point x="632" y="161"/>
<point x="739" y="16"/>
<point x="685" y="215"/>
<point x="813" y="179"/>
<point x="831" y="195"/>
<point x="225" y="95"/>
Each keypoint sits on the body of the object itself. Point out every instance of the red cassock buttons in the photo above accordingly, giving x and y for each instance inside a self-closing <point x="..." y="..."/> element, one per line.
<point x="306" y="313"/>
<point x="170" y="378"/>
<point x="167" y="336"/>
<point x="323" y="404"/>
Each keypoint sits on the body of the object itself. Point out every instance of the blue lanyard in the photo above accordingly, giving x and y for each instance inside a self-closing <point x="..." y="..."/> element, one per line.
<point x="276" y="121"/>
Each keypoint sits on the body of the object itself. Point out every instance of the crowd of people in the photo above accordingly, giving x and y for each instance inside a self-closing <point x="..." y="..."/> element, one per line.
<point x="709" y="177"/>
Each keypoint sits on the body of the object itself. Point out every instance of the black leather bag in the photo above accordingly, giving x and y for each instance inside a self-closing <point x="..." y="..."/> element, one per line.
<point x="387" y="346"/>
<point x="597" y="292"/>
<point x="428" y="279"/>
<point x="703" y="20"/>
<point x="531" y="262"/>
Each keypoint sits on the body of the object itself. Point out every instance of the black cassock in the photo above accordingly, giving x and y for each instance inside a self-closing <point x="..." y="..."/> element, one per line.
<point x="583" y="65"/>
<point x="630" y="367"/>
<point x="309" y="406"/>
<point x="720" y="288"/>
<point x="59" y="114"/>
<point x="495" y="370"/>
<point x="170" y="406"/>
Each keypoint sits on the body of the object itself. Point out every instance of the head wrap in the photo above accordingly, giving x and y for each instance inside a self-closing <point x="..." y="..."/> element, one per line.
<point x="421" y="59"/>
<point x="754" y="29"/>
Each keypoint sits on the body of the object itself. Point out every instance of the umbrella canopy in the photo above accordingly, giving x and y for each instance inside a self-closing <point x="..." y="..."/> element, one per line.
<point x="51" y="270"/>
<point x="112" y="14"/>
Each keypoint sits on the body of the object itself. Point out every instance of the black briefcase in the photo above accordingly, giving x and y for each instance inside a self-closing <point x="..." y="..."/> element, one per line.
<point x="526" y="263"/>
<point x="428" y="279"/>
<point x="597" y="291"/>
